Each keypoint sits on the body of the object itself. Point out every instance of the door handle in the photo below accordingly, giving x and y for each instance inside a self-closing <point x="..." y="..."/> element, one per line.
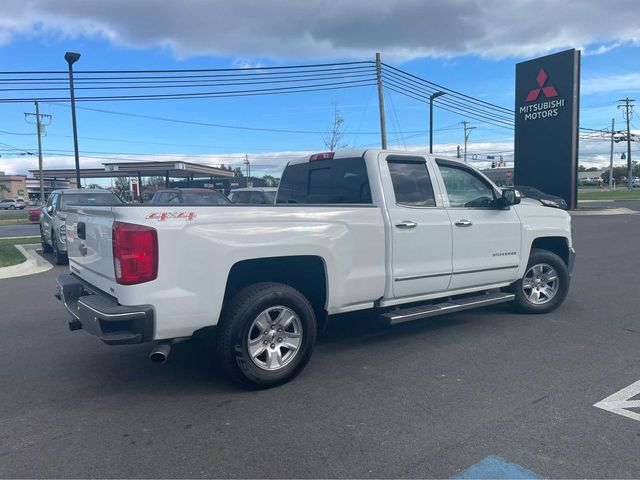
<point x="464" y="223"/>
<point x="406" y="224"/>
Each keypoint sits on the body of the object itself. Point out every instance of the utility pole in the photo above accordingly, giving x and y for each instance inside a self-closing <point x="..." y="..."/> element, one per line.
<point x="627" y="104"/>
<point x="40" y="129"/>
<point x="248" y="168"/>
<point x="613" y="123"/>
<point x="383" y="125"/>
<point x="467" y="132"/>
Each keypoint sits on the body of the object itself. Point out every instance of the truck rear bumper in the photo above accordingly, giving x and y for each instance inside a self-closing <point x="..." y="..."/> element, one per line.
<point x="101" y="315"/>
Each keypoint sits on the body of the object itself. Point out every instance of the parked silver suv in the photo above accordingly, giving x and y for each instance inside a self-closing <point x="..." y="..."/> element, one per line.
<point x="11" y="204"/>
<point x="53" y="233"/>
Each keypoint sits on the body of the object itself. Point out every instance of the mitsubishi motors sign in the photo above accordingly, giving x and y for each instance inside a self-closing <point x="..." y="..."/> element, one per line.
<point x="546" y="135"/>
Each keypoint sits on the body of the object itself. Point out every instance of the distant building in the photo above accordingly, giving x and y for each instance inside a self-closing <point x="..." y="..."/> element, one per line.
<point x="19" y="186"/>
<point x="503" y="176"/>
<point x="13" y="186"/>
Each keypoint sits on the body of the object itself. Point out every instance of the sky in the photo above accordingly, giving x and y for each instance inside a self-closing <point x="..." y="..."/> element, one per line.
<point x="469" y="46"/>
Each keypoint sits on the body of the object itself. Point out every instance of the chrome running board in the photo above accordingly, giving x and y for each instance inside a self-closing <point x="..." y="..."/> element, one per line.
<point x="455" y="305"/>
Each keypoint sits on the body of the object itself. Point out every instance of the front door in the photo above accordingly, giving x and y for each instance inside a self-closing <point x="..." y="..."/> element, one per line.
<point x="420" y="227"/>
<point x="486" y="240"/>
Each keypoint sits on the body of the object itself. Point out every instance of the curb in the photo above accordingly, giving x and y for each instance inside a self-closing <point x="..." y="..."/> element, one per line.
<point x="607" y="211"/>
<point x="34" y="263"/>
<point x="20" y="236"/>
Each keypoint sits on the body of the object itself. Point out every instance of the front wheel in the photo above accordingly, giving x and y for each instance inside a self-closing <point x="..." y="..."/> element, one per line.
<point x="266" y="335"/>
<point x="60" y="257"/>
<point x="46" y="248"/>
<point x="544" y="285"/>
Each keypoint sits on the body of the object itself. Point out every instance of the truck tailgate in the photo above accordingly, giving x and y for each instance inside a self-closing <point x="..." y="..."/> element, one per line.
<point x="89" y="246"/>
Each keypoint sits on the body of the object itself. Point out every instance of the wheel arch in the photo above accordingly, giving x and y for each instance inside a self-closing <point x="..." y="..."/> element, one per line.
<point x="558" y="245"/>
<point x="305" y="273"/>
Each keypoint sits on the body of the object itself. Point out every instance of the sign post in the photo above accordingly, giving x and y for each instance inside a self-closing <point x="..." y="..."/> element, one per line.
<point x="546" y="127"/>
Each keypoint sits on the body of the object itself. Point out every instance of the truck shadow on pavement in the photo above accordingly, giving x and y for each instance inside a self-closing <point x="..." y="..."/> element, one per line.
<point x="192" y="369"/>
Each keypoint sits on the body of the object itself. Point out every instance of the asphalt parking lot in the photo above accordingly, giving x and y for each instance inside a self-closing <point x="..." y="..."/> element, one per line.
<point x="425" y="399"/>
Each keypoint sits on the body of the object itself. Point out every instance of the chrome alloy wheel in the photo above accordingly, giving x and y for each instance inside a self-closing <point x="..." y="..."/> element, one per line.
<point x="540" y="284"/>
<point x="274" y="338"/>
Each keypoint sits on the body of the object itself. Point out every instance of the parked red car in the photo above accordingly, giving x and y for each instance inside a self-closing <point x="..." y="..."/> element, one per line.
<point x="34" y="215"/>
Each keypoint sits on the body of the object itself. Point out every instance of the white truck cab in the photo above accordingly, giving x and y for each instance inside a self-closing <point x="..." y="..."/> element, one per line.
<point x="350" y="230"/>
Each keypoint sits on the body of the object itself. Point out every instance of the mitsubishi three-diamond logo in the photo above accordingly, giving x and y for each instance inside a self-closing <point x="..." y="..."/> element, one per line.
<point x="542" y="102"/>
<point x="548" y="91"/>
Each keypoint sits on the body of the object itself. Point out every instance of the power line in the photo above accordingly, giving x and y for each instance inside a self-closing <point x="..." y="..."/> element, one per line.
<point x="455" y="92"/>
<point x="201" y="95"/>
<point x="456" y="102"/>
<point x="215" y="125"/>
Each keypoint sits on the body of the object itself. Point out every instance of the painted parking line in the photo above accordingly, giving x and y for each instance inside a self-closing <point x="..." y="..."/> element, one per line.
<point x="619" y="402"/>
<point x="495" y="467"/>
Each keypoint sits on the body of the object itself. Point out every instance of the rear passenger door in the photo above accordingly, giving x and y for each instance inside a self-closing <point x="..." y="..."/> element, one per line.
<point x="420" y="226"/>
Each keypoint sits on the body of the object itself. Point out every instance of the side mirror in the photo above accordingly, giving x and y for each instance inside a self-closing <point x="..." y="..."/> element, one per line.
<point x="50" y="209"/>
<point x="510" y="196"/>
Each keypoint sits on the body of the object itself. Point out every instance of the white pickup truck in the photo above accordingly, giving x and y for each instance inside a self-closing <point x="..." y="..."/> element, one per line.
<point x="408" y="236"/>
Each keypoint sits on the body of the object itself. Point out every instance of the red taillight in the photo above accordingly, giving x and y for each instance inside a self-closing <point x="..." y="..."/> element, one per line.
<point x="322" y="156"/>
<point x="135" y="253"/>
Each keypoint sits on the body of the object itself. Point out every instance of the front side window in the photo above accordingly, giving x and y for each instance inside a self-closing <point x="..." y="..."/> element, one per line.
<point x="411" y="183"/>
<point x="465" y="188"/>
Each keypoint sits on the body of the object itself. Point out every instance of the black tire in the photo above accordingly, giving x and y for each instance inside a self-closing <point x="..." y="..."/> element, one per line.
<point x="543" y="257"/>
<point x="46" y="248"/>
<point x="12" y="207"/>
<point x="59" y="257"/>
<point x="234" y="330"/>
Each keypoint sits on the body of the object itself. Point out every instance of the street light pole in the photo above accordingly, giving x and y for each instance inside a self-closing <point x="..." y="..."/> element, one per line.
<point x="72" y="58"/>
<point x="432" y="97"/>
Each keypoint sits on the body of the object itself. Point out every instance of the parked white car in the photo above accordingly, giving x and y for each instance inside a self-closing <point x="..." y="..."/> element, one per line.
<point x="407" y="235"/>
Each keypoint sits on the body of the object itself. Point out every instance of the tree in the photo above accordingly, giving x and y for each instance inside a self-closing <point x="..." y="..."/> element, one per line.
<point x="592" y="169"/>
<point x="333" y="141"/>
<point x="94" y="185"/>
<point x="618" y="172"/>
<point x="4" y="188"/>
<point x="581" y="168"/>
<point x="271" y="181"/>
<point x="122" y="186"/>
<point x="237" y="172"/>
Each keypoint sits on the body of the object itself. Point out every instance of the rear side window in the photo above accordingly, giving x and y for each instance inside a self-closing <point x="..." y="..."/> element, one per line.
<point x="411" y="182"/>
<point x="338" y="180"/>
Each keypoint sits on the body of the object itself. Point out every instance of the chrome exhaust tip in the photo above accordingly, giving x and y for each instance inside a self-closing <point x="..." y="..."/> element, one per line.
<point x="160" y="353"/>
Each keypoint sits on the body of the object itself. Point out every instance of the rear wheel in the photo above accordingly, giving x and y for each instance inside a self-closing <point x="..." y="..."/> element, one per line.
<point x="266" y="335"/>
<point x="12" y="207"/>
<point x="544" y="285"/>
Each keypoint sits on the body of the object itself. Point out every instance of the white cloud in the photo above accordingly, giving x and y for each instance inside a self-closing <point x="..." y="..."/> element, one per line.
<point x="624" y="82"/>
<point x="601" y="49"/>
<point x="293" y="29"/>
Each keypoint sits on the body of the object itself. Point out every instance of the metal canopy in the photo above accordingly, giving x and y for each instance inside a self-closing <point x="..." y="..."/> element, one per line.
<point x="142" y="169"/>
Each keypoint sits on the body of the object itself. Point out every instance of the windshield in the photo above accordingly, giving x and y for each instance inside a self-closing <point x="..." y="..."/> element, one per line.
<point x="93" y="199"/>
<point x="206" y="198"/>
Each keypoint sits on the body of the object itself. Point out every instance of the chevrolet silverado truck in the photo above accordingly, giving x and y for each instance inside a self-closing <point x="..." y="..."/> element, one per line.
<point x="405" y="235"/>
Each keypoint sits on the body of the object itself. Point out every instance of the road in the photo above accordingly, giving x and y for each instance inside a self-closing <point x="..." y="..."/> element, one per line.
<point x="20" y="230"/>
<point x="424" y="399"/>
